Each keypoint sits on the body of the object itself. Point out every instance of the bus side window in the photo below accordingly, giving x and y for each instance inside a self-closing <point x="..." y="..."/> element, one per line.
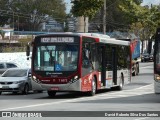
<point x="85" y="60"/>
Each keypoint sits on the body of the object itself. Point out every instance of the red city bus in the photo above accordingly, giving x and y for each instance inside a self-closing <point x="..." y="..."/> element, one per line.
<point x="157" y="62"/>
<point x="82" y="62"/>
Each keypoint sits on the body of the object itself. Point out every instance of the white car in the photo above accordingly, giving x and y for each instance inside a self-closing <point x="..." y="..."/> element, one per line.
<point x="16" y="80"/>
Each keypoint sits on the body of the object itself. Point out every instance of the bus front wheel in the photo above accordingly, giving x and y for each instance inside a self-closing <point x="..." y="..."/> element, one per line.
<point x="51" y="93"/>
<point x="94" y="87"/>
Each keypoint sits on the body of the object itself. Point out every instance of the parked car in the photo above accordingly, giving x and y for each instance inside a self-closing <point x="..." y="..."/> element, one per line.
<point x="144" y="57"/>
<point x="5" y="65"/>
<point x="16" y="80"/>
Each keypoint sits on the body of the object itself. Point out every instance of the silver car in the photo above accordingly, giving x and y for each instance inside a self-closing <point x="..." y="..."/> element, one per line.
<point x="6" y="65"/>
<point x="16" y="80"/>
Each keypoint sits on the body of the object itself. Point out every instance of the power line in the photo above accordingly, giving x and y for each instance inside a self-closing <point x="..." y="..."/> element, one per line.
<point x="111" y="4"/>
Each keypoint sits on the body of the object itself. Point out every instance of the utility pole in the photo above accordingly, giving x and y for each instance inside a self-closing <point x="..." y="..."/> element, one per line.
<point x="82" y="25"/>
<point x="104" y="18"/>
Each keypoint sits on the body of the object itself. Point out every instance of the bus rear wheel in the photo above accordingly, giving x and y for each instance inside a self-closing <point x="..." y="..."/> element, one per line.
<point x="94" y="88"/>
<point x="135" y="71"/>
<point x="51" y="93"/>
<point x="121" y="84"/>
<point x="137" y="68"/>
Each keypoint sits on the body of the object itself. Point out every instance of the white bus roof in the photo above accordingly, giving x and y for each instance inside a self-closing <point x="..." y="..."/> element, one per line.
<point x="102" y="38"/>
<point x="114" y="41"/>
<point x="106" y="39"/>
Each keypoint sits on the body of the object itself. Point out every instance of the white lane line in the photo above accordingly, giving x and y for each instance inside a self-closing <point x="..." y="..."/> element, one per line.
<point x="36" y="105"/>
<point x="145" y="67"/>
<point x="78" y="99"/>
<point x="142" y="118"/>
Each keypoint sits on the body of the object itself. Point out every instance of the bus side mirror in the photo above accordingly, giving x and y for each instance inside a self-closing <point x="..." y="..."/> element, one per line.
<point x="28" y="50"/>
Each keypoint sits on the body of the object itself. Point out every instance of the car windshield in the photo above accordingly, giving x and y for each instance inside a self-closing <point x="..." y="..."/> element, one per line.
<point x="15" y="73"/>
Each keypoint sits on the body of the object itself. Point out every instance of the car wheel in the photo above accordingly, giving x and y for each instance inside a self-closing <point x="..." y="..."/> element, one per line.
<point x="26" y="89"/>
<point x="14" y="92"/>
<point x="0" y="93"/>
<point x="40" y="91"/>
<point x="94" y="87"/>
<point x="51" y="93"/>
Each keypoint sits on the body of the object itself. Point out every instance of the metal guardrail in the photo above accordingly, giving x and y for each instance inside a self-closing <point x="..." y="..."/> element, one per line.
<point x="12" y="49"/>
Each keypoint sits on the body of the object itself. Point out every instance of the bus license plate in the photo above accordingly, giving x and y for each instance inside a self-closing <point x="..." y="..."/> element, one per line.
<point x="54" y="88"/>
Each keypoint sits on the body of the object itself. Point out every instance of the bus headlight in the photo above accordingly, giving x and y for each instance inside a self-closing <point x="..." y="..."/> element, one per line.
<point x="73" y="79"/>
<point x="76" y="77"/>
<point x="157" y="77"/>
<point x="35" y="79"/>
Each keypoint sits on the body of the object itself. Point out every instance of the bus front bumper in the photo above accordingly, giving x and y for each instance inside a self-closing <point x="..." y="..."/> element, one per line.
<point x="76" y="86"/>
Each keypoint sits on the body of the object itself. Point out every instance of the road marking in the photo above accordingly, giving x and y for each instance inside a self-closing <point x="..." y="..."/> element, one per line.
<point x="142" y="118"/>
<point x="125" y="93"/>
<point x="145" y="67"/>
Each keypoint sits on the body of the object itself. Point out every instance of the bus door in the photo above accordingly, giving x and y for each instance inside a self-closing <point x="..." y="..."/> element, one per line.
<point x="114" y="65"/>
<point x="111" y="66"/>
<point x="102" y="62"/>
<point x="108" y="64"/>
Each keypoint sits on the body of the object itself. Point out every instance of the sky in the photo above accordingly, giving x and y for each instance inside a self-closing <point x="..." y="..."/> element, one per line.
<point x="145" y="2"/>
<point x="68" y="5"/>
<point x="148" y="2"/>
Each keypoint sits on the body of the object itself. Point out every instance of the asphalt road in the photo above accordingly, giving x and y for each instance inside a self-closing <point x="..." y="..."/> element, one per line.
<point x="136" y="96"/>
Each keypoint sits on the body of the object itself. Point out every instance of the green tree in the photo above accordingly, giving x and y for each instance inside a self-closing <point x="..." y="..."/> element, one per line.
<point x="86" y="8"/>
<point x="116" y="18"/>
<point x="31" y="13"/>
<point x="147" y="17"/>
<point x="3" y="13"/>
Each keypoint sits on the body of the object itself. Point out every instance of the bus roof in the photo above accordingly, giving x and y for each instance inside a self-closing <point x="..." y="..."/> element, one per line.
<point x="101" y="37"/>
<point x="114" y="41"/>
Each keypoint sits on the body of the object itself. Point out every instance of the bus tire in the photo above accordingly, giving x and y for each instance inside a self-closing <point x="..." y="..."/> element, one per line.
<point x="121" y="84"/>
<point x="94" y="87"/>
<point x="137" y="69"/>
<point x="26" y="89"/>
<point x="51" y="93"/>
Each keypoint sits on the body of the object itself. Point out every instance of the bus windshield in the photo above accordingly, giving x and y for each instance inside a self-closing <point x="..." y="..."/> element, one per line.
<point x="56" y="58"/>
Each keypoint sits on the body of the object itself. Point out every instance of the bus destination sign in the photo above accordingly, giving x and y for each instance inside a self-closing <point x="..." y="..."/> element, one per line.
<point x="57" y="40"/>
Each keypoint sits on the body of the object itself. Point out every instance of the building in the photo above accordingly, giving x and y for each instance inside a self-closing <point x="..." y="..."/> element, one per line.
<point x="7" y="33"/>
<point x="52" y="26"/>
<point x="71" y="24"/>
